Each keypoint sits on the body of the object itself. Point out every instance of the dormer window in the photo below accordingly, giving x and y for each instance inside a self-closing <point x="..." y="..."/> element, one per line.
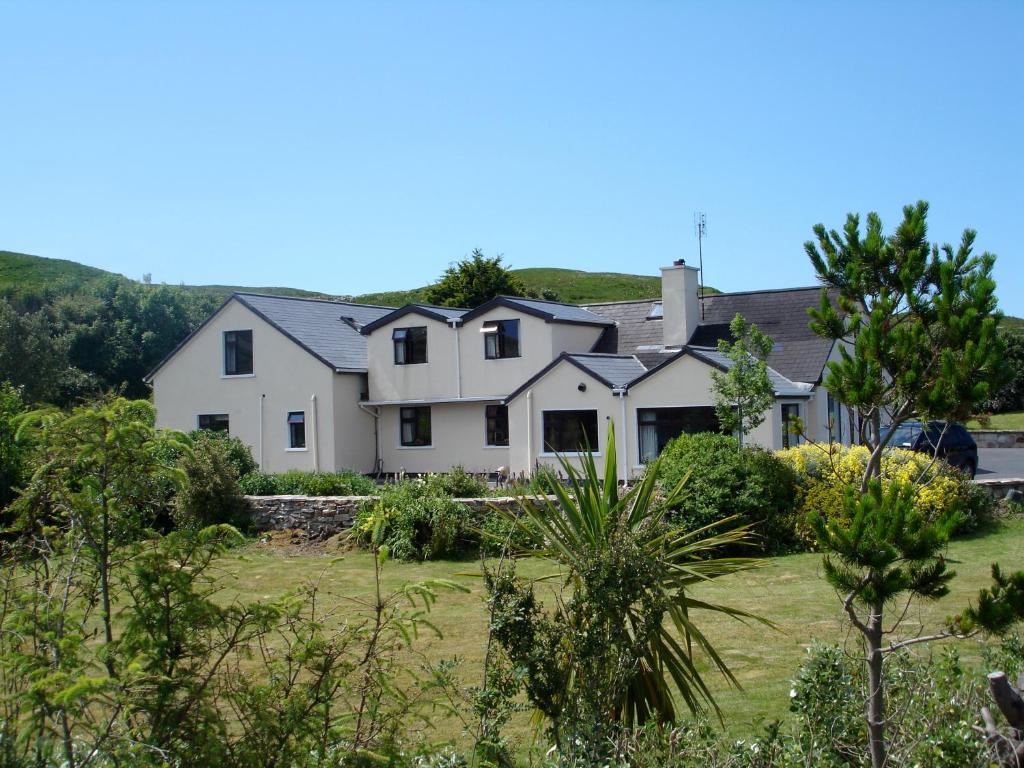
<point x="410" y="345"/>
<point x="501" y="339"/>
<point x="237" y="353"/>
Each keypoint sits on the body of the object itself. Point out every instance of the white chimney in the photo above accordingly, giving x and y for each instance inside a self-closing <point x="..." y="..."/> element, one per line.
<point x="680" y="303"/>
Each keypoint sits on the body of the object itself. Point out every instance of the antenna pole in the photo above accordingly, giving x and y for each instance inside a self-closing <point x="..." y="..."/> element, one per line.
<point x="700" y="224"/>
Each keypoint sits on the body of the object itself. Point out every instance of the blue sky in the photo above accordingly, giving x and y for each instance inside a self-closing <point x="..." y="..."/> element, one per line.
<point x="348" y="148"/>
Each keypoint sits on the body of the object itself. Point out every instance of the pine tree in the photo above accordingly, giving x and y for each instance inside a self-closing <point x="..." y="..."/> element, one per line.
<point x="744" y="392"/>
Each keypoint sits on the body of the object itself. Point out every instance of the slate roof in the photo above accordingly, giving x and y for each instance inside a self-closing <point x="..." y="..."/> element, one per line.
<point x="552" y="311"/>
<point x="438" y="313"/>
<point x="614" y="371"/>
<point x="318" y="326"/>
<point x="783" y="386"/>
<point x="799" y="354"/>
<point x="328" y="330"/>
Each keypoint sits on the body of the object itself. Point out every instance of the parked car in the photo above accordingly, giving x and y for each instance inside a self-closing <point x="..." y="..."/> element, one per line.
<point x="952" y="443"/>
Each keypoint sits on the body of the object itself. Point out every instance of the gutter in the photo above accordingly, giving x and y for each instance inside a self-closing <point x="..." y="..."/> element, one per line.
<point x="377" y="468"/>
<point x="621" y="393"/>
<point x="455" y="322"/>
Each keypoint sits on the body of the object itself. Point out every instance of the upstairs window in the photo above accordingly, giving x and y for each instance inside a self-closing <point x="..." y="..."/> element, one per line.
<point x="501" y="339"/>
<point x="570" y="431"/>
<point x="237" y="353"/>
<point x="415" y="426"/>
<point x="214" y="422"/>
<point x="497" y="425"/>
<point x="410" y="345"/>
<point x="297" y="429"/>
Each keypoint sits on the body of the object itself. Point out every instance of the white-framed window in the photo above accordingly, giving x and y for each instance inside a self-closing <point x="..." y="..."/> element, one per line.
<point x="835" y="419"/>
<point x="501" y="339"/>
<point x="214" y="422"/>
<point x="296" y="429"/>
<point x="790" y="414"/>
<point x="238" y="353"/>
<point x="570" y="431"/>
<point x="410" y="345"/>
<point x="496" y="417"/>
<point x="414" y="426"/>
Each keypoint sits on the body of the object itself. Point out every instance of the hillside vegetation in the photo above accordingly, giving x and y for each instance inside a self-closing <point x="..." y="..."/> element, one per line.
<point x="22" y="274"/>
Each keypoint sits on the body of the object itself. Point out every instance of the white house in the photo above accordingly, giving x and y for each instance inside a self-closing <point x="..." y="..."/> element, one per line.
<point x="510" y="384"/>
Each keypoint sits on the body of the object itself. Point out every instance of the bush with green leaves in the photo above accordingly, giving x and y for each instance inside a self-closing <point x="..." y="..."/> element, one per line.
<point x="211" y="494"/>
<point x="12" y="452"/>
<point x="418" y="525"/>
<point x="727" y="480"/>
<point x="296" y="482"/>
<point x="457" y="483"/>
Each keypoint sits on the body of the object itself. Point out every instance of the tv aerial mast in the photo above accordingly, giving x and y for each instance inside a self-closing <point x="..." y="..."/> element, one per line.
<point x="700" y="226"/>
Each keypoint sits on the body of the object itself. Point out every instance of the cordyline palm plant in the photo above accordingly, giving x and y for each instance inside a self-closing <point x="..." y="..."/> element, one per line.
<point x="630" y="576"/>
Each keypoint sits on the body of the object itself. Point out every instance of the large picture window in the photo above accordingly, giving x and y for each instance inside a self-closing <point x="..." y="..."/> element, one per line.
<point x="214" y="422"/>
<point x="297" y="429"/>
<point x="410" y="345"/>
<point x="237" y="353"/>
<point x="835" y="419"/>
<point x="497" y="425"/>
<point x="501" y="339"/>
<point x="415" y="426"/>
<point x="656" y="426"/>
<point x="570" y="431"/>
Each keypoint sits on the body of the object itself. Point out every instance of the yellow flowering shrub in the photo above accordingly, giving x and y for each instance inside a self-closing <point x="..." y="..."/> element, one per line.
<point x="822" y="472"/>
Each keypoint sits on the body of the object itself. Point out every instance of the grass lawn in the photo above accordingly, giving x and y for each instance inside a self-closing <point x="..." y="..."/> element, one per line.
<point x="1011" y="421"/>
<point x="789" y="591"/>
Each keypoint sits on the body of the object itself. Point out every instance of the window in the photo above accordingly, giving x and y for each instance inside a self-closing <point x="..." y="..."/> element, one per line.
<point x="570" y="431"/>
<point x="215" y="422"/>
<point x="835" y="419"/>
<point x="410" y="345"/>
<point x="790" y="413"/>
<point x="415" y="426"/>
<point x="297" y="429"/>
<point x="501" y="339"/>
<point x="497" y="425"/>
<point x="237" y="353"/>
<point x="659" y="425"/>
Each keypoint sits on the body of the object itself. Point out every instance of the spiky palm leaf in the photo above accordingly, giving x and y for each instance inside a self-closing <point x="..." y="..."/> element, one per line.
<point x="580" y="520"/>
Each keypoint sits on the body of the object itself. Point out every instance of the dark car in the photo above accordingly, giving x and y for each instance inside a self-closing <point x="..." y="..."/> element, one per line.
<point x="951" y="442"/>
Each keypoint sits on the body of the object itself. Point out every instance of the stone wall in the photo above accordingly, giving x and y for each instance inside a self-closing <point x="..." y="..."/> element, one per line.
<point x="322" y="516"/>
<point x="997" y="438"/>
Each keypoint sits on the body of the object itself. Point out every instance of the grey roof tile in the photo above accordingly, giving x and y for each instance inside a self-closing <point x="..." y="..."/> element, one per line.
<point x="799" y="355"/>
<point x="327" y="329"/>
<point x="616" y="370"/>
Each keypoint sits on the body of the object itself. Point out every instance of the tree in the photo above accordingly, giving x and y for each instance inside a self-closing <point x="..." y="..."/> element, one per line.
<point x="915" y="322"/>
<point x="915" y="325"/>
<point x="12" y="458"/>
<point x="98" y="479"/>
<point x="616" y="648"/>
<point x="744" y="392"/>
<point x="474" y="281"/>
<point x="1010" y="396"/>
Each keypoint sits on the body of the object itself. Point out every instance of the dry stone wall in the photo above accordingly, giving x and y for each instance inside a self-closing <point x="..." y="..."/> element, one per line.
<point x="322" y="516"/>
<point x="992" y="438"/>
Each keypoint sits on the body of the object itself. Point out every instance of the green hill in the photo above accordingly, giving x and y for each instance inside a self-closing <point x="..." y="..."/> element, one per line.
<point x="572" y="285"/>
<point x="22" y="274"/>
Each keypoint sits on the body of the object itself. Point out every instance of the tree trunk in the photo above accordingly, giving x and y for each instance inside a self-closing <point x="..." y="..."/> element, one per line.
<point x="876" y="690"/>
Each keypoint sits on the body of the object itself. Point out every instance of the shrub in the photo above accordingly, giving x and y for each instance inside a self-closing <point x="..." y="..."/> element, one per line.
<point x="457" y="483"/>
<point x="210" y="494"/>
<point x="417" y="525"/>
<point x="728" y="480"/>
<point x="235" y="451"/>
<point x="12" y="454"/>
<point x="258" y="484"/>
<point x="299" y="483"/>
<point x="822" y="472"/>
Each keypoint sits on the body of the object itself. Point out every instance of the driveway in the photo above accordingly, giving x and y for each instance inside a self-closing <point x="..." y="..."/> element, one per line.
<point x="1000" y="463"/>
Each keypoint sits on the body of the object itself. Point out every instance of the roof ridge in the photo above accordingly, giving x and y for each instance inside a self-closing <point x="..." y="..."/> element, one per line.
<point x="599" y="354"/>
<point x="311" y="300"/>
<point x="624" y="301"/>
<point x="765" y="290"/>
